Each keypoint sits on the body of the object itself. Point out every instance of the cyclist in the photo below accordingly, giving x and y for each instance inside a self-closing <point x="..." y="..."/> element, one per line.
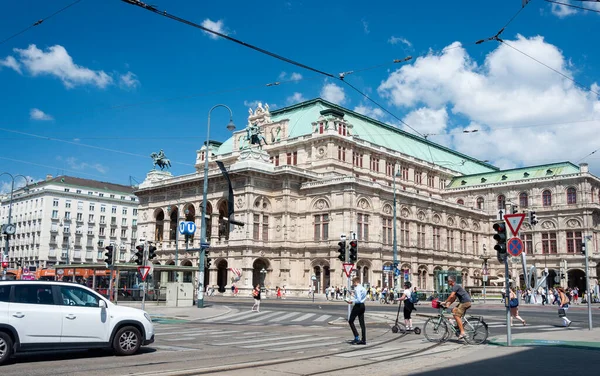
<point x="464" y="303"/>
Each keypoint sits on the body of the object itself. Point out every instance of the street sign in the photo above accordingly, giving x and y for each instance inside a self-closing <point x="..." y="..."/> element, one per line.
<point x="143" y="270"/>
<point x="204" y="245"/>
<point x="397" y="272"/>
<point x="514" y="246"/>
<point x="187" y="228"/>
<point x="60" y="272"/>
<point x="348" y="269"/>
<point x="514" y="222"/>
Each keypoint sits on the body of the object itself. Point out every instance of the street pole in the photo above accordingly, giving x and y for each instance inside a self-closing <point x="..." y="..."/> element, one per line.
<point x="395" y="244"/>
<point x="111" y="280"/>
<point x="144" y="263"/>
<point x="507" y="284"/>
<point x="587" y="282"/>
<point x="203" y="241"/>
<point x="352" y="235"/>
<point x="10" y="201"/>
<point x="176" y="247"/>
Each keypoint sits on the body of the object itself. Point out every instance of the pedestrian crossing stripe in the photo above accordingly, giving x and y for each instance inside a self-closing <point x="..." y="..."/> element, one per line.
<point x="272" y="318"/>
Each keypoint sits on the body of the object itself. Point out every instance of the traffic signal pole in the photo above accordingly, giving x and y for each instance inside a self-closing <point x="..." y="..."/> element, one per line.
<point x="348" y="278"/>
<point x="144" y="262"/>
<point x="587" y="282"/>
<point x="506" y="300"/>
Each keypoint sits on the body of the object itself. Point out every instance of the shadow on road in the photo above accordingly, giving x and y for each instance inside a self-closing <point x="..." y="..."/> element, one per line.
<point x="55" y="355"/>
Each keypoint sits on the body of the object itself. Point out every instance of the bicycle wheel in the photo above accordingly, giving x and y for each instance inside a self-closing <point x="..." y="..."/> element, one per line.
<point x="477" y="331"/>
<point x="435" y="330"/>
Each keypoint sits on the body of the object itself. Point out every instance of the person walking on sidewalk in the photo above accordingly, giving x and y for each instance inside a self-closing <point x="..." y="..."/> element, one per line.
<point x="563" y="306"/>
<point x="513" y="303"/>
<point x="256" y="295"/>
<point x="360" y="295"/>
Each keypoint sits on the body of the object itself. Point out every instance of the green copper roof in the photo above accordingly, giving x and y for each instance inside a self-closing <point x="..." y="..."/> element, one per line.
<point x="516" y="174"/>
<point x="302" y="115"/>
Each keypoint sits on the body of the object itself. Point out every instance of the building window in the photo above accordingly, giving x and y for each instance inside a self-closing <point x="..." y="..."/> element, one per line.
<point x="387" y="231"/>
<point x="79" y="205"/>
<point x="404" y="173"/>
<point x="437" y="239"/>
<point x="92" y="207"/>
<point x="55" y="203"/>
<point x="113" y="210"/>
<point x="102" y="231"/>
<point x="134" y="212"/>
<point x="420" y="236"/>
<point x="571" y="196"/>
<point x="374" y="163"/>
<point x="124" y="233"/>
<point x="528" y="243"/>
<point x="113" y="221"/>
<point x="430" y="181"/>
<point x="480" y="203"/>
<point x="321" y="128"/>
<point x="67" y="215"/>
<point x="404" y="234"/>
<point x="68" y="204"/>
<point x="363" y="226"/>
<point x="134" y="222"/>
<point x="100" y="194"/>
<point x="124" y="211"/>
<point x="342" y="129"/>
<point x="463" y="241"/>
<point x="501" y="202"/>
<point x="450" y="240"/>
<point x="547" y="198"/>
<point x="442" y="183"/>
<point x="102" y="219"/>
<point x="460" y="201"/>
<point x="418" y="177"/>
<point x="54" y="214"/>
<point x="256" y="229"/>
<point x="573" y="241"/>
<point x="357" y="159"/>
<point x="79" y="217"/>
<point x="102" y="208"/>
<point x="389" y="168"/>
<point x="475" y="243"/>
<point x="113" y="232"/>
<point x="322" y="227"/>
<point x="342" y="153"/>
<point x="523" y="200"/>
<point x="549" y="242"/>
<point x="275" y="160"/>
<point x="123" y="221"/>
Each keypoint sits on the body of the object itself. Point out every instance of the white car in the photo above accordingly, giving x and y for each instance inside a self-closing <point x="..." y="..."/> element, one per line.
<point x="36" y="315"/>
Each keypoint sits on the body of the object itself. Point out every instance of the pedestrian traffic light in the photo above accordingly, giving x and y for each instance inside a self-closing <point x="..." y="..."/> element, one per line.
<point x="208" y="259"/>
<point x="139" y="255"/>
<point x="151" y="252"/>
<point x="109" y="255"/>
<point x="353" y="253"/>
<point x="342" y="251"/>
<point x="583" y="249"/>
<point x="533" y="219"/>
<point x="500" y="238"/>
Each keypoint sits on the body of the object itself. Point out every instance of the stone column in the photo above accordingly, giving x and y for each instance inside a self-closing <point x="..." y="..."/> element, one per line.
<point x="322" y="277"/>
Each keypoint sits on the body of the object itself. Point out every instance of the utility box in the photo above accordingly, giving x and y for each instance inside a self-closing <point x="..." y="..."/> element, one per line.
<point x="180" y="294"/>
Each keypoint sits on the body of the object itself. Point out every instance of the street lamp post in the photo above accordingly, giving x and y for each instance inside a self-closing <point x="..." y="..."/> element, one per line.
<point x="203" y="243"/>
<point x="263" y="273"/>
<point x="9" y="229"/>
<point x="395" y="244"/>
<point x="485" y="257"/>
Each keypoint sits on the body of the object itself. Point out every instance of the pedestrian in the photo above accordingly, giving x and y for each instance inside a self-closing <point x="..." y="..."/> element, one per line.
<point x="359" y="297"/>
<point x="278" y="293"/>
<point x="542" y="292"/>
<point x="513" y="303"/>
<point x="563" y="306"/>
<point x="256" y="295"/>
<point x="283" y="292"/>
<point x="576" y="295"/>
<point x="503" y="296"/>
<point x="233" y="289"/>
<point x="409" y="306"/>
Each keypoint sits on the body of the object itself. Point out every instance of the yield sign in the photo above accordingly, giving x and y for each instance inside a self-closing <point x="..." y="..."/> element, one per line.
<point x="143" y="270"/>
<point x="348" y="269"/>
<point x="514" y="222"/>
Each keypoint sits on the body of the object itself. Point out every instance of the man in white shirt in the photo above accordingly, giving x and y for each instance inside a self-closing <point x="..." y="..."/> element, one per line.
<point x="358" y="298"/>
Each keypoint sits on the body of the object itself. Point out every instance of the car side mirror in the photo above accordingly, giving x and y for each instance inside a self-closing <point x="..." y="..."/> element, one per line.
<point x="102" y="304"/>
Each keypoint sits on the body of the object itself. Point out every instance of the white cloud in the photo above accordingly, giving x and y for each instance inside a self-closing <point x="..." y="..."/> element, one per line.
<point x="365" y="26"/>
<point x="295" y="98"/>
<point x="562" y="11"/>
<point x="372" y="112"/>
<point x="218" y="26"/>
<point x="396" y="40"/>
<point x="37" y="114"/>
<point x="129" y="81"/>
<point x="508" y="90"/>
<point x="55" y="61"/>
<point x="333" y="93"/>
<point x="426" y="120"/>
<point x="5" y="186"/>
<point x="11" y="62"/>
<point x="283" y="76"/>
<point x="252" y="104"/>
<point x="75" y="164"/>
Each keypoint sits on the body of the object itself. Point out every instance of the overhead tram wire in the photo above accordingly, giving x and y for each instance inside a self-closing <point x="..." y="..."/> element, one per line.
<point x="39" y="22"/>
<point x="164" y="13"/>
<point x="573" y="6"/>
<point x="497" y="36"/>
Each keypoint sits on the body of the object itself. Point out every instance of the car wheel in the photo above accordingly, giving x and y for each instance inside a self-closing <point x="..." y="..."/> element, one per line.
<point x="6" y="344"/>
<point x="127" y="341"/>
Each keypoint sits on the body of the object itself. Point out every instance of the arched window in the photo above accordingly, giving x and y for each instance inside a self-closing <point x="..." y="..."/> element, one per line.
<point x="523" y="200"/>
<point x="460" y="201"/>
<point x="479" y="202"/>
<point x="571" y="196"/>
<point x="547" y="198"/>
<point x="501" y="202"/>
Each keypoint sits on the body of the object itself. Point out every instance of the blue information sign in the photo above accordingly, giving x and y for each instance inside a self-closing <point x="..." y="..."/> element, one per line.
<point x="187" y="228"/>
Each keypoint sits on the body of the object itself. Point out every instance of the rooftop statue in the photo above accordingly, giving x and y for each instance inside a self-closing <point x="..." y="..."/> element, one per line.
<point x="254" y="135"/>
<point x="161" y="160"/>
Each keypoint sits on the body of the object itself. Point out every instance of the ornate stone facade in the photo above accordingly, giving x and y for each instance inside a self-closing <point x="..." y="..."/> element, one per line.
<point x="328" y="171"/>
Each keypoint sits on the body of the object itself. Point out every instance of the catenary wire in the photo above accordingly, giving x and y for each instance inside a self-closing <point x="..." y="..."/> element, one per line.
<point x="573" y="6"/>
<point x="39" y="22"/>
<point x="164" y="13"/>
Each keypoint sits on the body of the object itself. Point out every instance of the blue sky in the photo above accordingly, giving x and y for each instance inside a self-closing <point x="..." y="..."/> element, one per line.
<point x="128" y="82"/>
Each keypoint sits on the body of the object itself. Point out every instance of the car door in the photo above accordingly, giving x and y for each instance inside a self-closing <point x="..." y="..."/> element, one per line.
<point x="4" y="301"/>
<point x="33" y="312"/>
<point x="83" y="320"/>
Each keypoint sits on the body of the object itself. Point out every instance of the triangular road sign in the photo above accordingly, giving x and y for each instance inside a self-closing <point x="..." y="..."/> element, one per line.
<point x="514" y="222"/>
<point x="143" y="270"/>
<point x="348" y="269"/>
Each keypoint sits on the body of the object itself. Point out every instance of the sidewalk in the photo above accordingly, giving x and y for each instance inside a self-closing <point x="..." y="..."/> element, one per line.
<point x="573" y="338"/>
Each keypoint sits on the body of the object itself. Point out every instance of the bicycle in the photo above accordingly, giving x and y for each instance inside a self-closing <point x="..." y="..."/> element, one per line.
<point x="439" y="329"/>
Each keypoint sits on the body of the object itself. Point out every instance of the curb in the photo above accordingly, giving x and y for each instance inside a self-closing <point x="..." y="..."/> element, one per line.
<point x="547" y="342"/>
<point x="172" y="317"/>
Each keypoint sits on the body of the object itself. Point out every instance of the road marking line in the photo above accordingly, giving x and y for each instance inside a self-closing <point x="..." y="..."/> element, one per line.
<point x="286" y="342"/>
<point x="304" y="317"/>
<point x="181" y="332"/>
<point x="306" y="346"/>
<point x="256" y="340"/>
<point x="263" y="317"/>
<point x="245" y="316"/>
<point x="322" y="318"/>
<point x="288" y="315"/>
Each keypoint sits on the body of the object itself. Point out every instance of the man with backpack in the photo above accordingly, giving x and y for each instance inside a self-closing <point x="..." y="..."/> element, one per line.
<point x="410" y="298"/>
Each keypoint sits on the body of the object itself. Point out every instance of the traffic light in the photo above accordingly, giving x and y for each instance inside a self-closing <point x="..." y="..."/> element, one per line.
<point x="109" y="255"/>
<point x="353" y="253"/>
<point x="151" y="252"/>
<point x="208" y="259"/>
<point x="583" y="249"/>
<point x="342" y="251"/>
<point x="533" y="219"/>
<point x="139" y="255"/>
<point x="4" y="262"/>
<point x="500" y="238"/>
